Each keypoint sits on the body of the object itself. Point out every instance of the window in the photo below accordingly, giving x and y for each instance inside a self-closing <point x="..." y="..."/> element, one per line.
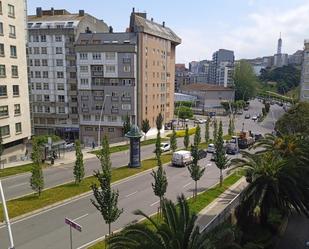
<point x="45" y="86"/>
<point x="86" y="117"/>
<point x="15" y="90"/>
<point x="96" y="56"/>
<point x="1" y="28"/>
<point x="37" y="74"/>
<point x="43" y="38"/>
<point x="18" y="127"/>
<point x="12" y="31"/>
<point x="5" y="130"/>
<point x="58" y="38"/>
<point x="84" y="81"/>
<point x="13" y="51"/>
<point x="11" y="12"/>
<point x="43" y="50"/>
<point x="60" y="75"/>
<point x="4" y="111"/>
<point x="126" y="107"/>
<point x="46" y="98"/>
<point x="83" y="69"/>
<point x="3" y="91"/>
<point x="110" y="69"/>
<point x="38" y="86"/>
<point x="60" y="86"/>
<point x="127" y="68"/>
<point x="37" y="62"/>
<point x="36" y="50"/>
<point x="17" y="110"/>
<point x="2" y="71"/>
<point x="110" y="55"/>
<point x="59" y="63"/>
<point x="45" y="74"/>
<point x="61" y="109"/>
<point x="83" y="56"/>
<point x="14" y="70"/>
<point x="44" y="62"/>
<point x="2" y="49"/>
<point x="61" y="98"/>
<point x="58" y="50"/>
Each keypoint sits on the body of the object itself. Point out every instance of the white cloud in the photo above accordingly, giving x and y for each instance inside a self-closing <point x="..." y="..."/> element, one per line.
<point x="256" y="37"/>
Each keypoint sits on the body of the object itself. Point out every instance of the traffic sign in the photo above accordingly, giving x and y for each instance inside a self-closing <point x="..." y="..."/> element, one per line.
<point x="73" y="224"/>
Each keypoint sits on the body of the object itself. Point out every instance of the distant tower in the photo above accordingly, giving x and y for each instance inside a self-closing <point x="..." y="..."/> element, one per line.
<point x="279" y="45"/>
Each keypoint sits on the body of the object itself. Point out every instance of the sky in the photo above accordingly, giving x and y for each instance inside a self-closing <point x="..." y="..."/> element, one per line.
<point x="250" y="28"/>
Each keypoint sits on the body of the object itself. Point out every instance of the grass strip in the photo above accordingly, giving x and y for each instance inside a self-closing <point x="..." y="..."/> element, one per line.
<point x="198" y="204"/>
<point x="17" y="170"/>
<point x="29" y="203"/>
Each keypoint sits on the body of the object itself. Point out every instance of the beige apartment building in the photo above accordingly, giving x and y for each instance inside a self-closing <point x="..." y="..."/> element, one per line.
<point x="14" y="96"/>
<point x="156" y="68"/>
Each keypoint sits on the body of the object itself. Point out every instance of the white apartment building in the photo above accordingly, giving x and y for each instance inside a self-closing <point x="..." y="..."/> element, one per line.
<point x="14" y="97"/>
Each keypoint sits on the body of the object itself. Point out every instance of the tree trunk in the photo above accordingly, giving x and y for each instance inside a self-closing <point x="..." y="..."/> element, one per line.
<point x="221" y="178"/>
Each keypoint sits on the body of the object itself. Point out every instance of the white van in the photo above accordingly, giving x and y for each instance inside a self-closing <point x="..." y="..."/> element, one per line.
<point x="181" y="158"/>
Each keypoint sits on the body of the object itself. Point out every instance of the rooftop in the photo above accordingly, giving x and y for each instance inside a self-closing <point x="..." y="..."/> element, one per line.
<point x="205" y="87"/>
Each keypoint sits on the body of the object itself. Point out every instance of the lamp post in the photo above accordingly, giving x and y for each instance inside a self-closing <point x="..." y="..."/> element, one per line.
<point x="99" y="131"/>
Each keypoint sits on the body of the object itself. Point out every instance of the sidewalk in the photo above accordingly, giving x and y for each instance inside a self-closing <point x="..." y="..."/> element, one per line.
<point x="209" y="216"/>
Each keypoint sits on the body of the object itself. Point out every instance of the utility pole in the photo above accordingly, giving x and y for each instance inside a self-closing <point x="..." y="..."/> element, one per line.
<point x="7" y="220"/>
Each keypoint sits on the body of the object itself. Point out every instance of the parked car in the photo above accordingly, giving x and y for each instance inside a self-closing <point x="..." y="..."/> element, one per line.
<point x="254" y="117"/>
<point x="247" y="116"/>
<point x="211" y="148"/>
<point x="165" y="147"/>
<point x="202" y="154"/>
<point x="181" y="158"/>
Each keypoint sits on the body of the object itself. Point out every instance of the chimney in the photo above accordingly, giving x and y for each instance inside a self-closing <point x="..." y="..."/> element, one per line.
<point x="152" y="19"/>
<point x="81" y="12"/>
<point x="163" y="24"/>
<point x="39" y="12"/>
<point x="52" y="11"/>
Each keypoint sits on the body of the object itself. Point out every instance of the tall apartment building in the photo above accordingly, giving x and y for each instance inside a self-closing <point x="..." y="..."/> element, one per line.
<point x="304" y="83"/>
<point x="156" y="47"/>
<point x="52" y="68"/>
<point x="14" y="97"/>
<point x="106" y="72"/>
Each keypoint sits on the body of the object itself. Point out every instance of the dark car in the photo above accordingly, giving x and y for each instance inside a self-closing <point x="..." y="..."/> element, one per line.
<point x="247" y="116"/>
<point x="202" y="154"/>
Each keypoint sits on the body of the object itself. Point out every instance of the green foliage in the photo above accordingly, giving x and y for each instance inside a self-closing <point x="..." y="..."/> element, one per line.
<point x="79" y="170"/>
<point x="37" y="178"/>
<point x="183" y="103"/>
<point x="184" y="112"/>
<point x="197" y="136"/>
<point x="221" y="159"/>
<point x="207" y="137"/>
<point x="160" y="183"/>
<point x="215" y="131"/>
<point x="245" y="81"/>
<point x="186" y="139"/>
<point x="145" y="125"/>
<point x="126" y="125"/>
<point x="159" y="121"/>
<point x="158" y="149"/>
<point x="295" y="120"/>
<point x="173" y="140"/>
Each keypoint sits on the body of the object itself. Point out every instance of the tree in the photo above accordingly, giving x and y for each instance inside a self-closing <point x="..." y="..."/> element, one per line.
<point x="160" y="184"/>
<point x="186" y="139"/>
<point x="37" y="178"/>
<point x="159" y="121"/>
<point x="196" y="172"/>
<point x="177" y="229"/>
<point x="126" y="125"/>
<point x="245" y="81"/>
<point x="207" y="130"/>
<point x="106" y="199"/>
<point x="215" y="132"/>
<point x="221" y="159"/>
<point x="79" y="170"/>
<point x="145" y="126"/>
<point x="173" y="140"/>
<point x="197" y="136"/>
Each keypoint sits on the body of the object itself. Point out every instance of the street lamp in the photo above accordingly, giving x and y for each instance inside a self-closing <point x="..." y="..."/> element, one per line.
<point x="99" y="131"/>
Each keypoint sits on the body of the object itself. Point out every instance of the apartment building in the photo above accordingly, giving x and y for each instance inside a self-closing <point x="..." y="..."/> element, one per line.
<point x="14" y="97"/>
<point x="304" y="83"/>
<point x="106" y="73"/>
<point x="156" y="50"/>
<point x="52" y="69"/>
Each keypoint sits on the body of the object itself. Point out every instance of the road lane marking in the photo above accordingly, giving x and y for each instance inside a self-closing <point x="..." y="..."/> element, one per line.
<point x="131" y="194"/>
<point x="80" y="217"/>
<point x="187" y="184"/>
<point x="154" y="203"/>
<point x="18" y="185"/>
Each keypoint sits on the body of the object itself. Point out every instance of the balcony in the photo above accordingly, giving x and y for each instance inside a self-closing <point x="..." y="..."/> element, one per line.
<point x="115" y="98"/>
<point x="126" y="99"/>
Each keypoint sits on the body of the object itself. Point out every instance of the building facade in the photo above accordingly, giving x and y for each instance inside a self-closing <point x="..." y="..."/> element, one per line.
<point x="106" y="73"/>
<point x="52" y="69"/>
<point x="304" y="83"/>
<point x="15" y="123"/>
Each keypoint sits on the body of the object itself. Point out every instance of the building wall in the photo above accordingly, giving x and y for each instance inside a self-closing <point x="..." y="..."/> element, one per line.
<point x="15" y="139"/>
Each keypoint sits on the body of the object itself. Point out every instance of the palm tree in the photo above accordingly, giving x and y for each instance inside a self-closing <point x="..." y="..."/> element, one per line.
<point x="273" y="183"/>
<point x="177" y="230"/>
